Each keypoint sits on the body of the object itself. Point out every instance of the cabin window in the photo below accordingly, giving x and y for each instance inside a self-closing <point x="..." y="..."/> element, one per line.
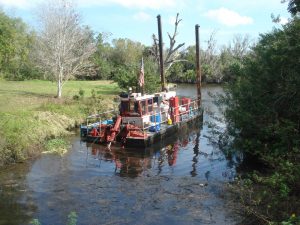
<point x="144" y="109"/>
<point x="150" y="105"/>
<point x="136" y="107"/>
<point x="124" y="107"/>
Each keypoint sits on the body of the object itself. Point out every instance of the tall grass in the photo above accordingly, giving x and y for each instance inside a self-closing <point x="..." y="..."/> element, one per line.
<point x="30" y="116"/>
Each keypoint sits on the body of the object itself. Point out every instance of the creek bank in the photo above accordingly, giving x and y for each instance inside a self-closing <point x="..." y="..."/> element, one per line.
<point x="24" y="134"/>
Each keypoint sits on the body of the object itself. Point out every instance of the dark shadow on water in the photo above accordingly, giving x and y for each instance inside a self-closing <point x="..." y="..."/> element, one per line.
<point x="16" y="205"/>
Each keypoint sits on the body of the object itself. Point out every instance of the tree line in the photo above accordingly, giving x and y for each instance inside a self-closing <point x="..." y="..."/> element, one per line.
<point x="62" y="48"/>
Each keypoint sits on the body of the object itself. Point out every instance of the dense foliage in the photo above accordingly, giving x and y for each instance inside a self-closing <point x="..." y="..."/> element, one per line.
<point x="15" y="48"/>
<point x="263" y="114"/>
<point x="121" y="62"/>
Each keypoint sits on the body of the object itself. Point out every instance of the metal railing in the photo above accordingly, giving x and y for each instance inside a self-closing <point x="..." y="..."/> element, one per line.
<point x="100" y="117"/>
<point x="192" y="108"/>
<point x="190" y="112"/>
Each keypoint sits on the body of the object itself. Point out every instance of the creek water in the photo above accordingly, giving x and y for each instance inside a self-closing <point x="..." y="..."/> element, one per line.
<point x="180" y="181"/>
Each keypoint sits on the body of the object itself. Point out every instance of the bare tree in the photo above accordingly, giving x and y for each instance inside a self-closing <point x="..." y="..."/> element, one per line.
<point x="172" y="54"/>
<point x="63" y="45"/>
<point x="211" y="59"/>
<point x="240" y="45"/>
<point x="211" y="51"/>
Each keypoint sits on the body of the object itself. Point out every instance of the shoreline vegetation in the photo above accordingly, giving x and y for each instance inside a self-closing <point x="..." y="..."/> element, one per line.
<point x="33" y="120"/>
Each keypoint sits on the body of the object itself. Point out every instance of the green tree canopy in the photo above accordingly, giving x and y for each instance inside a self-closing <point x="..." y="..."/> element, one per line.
<point x="263" y="102"/>
<point x="15" y="48"/>
<point x="125" y="57"/>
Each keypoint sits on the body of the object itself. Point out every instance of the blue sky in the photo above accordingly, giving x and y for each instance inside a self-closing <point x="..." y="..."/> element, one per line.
<point x="136" y="19"/>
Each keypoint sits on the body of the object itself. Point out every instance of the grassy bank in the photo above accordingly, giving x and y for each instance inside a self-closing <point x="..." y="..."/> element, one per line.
<point x="30" y="115"/>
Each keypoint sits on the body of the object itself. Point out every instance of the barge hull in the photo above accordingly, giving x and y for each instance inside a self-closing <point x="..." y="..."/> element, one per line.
<point x="165" y="132"/>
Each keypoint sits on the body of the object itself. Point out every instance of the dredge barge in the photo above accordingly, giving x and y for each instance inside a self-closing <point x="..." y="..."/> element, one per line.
<point x="142" y="120"/>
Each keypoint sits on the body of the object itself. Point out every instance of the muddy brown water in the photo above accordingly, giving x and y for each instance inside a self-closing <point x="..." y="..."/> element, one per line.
<point x="180" y="181"/>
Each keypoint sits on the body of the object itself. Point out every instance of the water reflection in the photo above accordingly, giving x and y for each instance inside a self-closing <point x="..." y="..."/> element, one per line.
<point x="127" y="164"/>
<point x="195" y="158"/>
<point x="142" y="162"/>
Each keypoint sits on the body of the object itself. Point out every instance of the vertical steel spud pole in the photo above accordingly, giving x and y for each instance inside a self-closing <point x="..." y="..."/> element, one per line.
<point x="161" y="59"/>
<point x="198" y="68"/>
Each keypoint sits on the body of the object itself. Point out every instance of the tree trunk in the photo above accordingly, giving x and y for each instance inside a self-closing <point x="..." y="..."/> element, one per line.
<point x="59" y="88"/>
<point x="59" y="83"/>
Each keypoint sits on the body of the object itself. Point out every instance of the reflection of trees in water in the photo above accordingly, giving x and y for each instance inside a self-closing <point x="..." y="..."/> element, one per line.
<point x="16" y="207"/>
<point x="219" y="139"/>
<point x="196" y="153"/>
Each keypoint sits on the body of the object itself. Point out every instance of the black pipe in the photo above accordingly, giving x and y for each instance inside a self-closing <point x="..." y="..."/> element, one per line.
<point x="161" y="60"/>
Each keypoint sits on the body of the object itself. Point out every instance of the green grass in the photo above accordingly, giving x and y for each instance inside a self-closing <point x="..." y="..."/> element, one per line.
<point x="15" y="95"/>
<point x="30" y="116"/>
<point x="56" y="146"/>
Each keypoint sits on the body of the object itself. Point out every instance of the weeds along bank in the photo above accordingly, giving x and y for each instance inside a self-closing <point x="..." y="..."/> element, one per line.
<point x="31" y="119"/>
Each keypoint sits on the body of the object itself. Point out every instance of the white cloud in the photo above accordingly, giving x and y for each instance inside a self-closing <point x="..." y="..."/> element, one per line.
<point x="283" y="20"/>
<point x="142" y="16"/>
<point x="228" y="17"/>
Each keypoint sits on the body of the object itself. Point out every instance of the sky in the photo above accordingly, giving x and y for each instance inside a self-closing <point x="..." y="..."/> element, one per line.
<point x="137" y="19"/>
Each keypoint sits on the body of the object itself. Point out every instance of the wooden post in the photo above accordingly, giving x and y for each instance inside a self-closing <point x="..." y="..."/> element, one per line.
<point x="161" y="59"/>
<point x="198" y="68"/>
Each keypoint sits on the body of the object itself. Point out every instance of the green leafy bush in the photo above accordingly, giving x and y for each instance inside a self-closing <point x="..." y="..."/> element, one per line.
<point x="263" y="114"/>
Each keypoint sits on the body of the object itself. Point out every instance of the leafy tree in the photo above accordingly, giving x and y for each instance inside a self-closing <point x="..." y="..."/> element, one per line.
<point x="126" y="52"/>
<point x="263" y="114"/>
<point x="232" y="55"/>
<point x="266" y="90"/>
<point x="15" y="49"/>
<point x="293" y="6"/>
<point x="176" y="73"/>
<point x="102" y="58"/>
<point x="126" y="56"/>
<point x="127" y="76"/>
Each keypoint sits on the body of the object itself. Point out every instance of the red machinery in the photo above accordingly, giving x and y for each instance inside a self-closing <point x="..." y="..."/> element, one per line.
<point x="107" y="133"/>
<point x="174" y="104"/>
<point x="116" y="129"/>
<point x="186" y="102"/>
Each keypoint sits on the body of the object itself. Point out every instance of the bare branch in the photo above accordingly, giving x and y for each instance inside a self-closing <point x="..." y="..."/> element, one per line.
<point x="63" y="45"/>
<point x="171" y="56"/>
<point x="172" y="52"/>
